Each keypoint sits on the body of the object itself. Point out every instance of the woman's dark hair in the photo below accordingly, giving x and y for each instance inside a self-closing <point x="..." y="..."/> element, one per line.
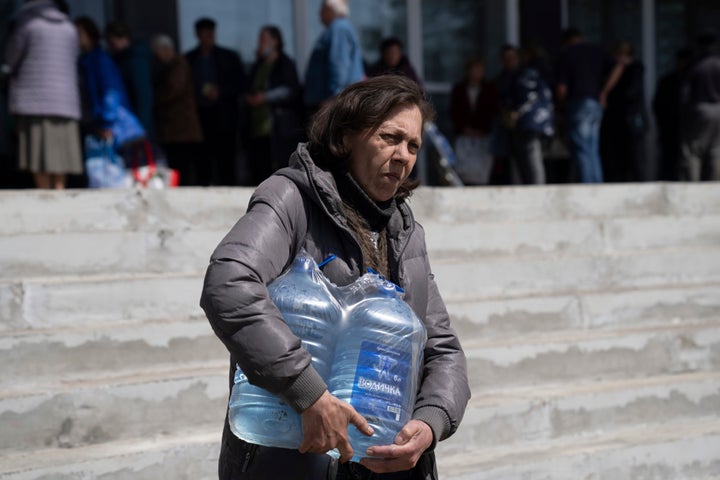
<point x="117" y="29"/>
<point x="276" y="34"/>
<point x="361" y="106"/>
<point x="89" y="26"/>
<point x="390" y="42"/>
<point x="204" y="23"/>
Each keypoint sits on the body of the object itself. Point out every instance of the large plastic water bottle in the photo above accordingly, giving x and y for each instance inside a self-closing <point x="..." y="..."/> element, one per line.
<point x="311" y="311"/>
<point x="257" y="416"/>
<point x="377" y="361"/>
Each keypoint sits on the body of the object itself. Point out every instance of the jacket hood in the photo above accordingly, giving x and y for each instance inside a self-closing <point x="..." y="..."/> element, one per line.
<point x="312" y="180"/>
<point x="44" y="9"/>
<point x="320" y="185"/>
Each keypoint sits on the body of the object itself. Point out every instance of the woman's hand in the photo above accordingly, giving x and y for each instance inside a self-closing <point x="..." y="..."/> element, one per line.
<point x="415" y="437"/>
<point x="325" y="426"/>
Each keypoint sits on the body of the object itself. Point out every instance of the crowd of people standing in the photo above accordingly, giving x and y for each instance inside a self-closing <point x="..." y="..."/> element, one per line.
<point x="594" y="101"/>
<point x="205" y="109"/>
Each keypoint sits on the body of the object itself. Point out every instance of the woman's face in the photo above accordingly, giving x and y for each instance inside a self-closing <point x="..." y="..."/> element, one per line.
<point x="84" y="40"/>
<point x="476" y="73"/>
<point x="382" y="159"/>
<point x="266" y="43"/>
<point x="392" y="55"/>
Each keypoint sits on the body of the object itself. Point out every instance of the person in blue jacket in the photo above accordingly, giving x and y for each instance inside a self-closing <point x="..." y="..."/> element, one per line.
<point x="134" y="61"/>
<point x="336" y="60"/>
<point x="110" y="116"/>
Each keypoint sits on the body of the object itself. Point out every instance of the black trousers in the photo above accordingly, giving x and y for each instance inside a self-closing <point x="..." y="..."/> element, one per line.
<point x="240" y="460"/>
<point x="185" y="158"/>
<point x="216" y="165"/>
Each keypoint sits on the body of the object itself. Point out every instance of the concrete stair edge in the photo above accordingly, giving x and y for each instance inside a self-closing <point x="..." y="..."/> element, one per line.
<point x="163" y="452"/>
<point x="223" y="206"/>
<point x="187" y="249"/>
<point x="696" y="441"/>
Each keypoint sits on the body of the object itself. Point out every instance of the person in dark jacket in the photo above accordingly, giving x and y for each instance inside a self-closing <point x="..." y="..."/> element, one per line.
<point x="219" y="78"/>
<point x="274" y="106"/>
<point x="177" y="126"/>
<point x="393" y="60"/>
<point x="625" y="123"/>
<point x="474" y="101"/>
<point x="666" y="108"/>
<point x="344" y="193"/>
<point x="474" y="109"/>
<point x="134" y="60"/>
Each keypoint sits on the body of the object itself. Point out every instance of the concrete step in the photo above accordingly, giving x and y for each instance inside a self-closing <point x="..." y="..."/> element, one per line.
<point x="51" y="302"/>
<point x="187" y="249"/>
<point x="68" y="330"/>
<point x="474" y="278"/>
<point x="163" y="250"/>
<point x="672" y="450"/>
<point x="502" y="317"/>
<point x="29" y="211"/>
<point x="54" y="301"/>
<point x="30" y="354"/>
<point x="448" y="239"/>
<point x="576" y="356"/>
<point x="481" y="204"/>
<point x="72" y="211"/>
<point x="547" y="412"/>
<point x="188" y="455"/>
<point x="71" y="411"/>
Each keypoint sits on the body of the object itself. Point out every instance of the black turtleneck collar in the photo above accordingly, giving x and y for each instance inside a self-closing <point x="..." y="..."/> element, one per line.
<point x="377" y="214"/>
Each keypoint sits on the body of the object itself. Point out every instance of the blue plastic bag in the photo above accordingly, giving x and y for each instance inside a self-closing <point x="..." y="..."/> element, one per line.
<point x="105" y="167"/>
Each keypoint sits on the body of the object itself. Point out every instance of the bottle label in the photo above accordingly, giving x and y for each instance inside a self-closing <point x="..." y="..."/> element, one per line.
<point x="379" y="384"/>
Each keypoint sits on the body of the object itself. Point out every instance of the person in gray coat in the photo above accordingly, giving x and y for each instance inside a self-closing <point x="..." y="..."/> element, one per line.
<point x="343" y="193"/>
<point x="42" y="57"/>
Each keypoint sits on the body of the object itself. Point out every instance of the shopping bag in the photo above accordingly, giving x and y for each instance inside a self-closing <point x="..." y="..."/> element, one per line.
<point x="474" y="160"/>
<point x="152" y="174"/>
<point x="104" y="166"/>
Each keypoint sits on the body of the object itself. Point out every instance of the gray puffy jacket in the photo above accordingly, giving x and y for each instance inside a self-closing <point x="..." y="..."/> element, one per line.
<point x="299" y="207"/>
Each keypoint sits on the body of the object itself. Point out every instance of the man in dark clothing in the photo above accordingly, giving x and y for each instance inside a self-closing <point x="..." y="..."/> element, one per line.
<point x="504" y="172"/>
<point x="219" y="79"/>
<point x="701" y="116"/>
<point x="625" y="123"/>
<point x="666" y="107"/>
<point x="134" y="61"/>
<point x="585" y="74"/>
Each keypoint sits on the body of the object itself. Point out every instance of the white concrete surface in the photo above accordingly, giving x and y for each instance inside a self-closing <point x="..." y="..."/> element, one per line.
<point x="590" y="316"/>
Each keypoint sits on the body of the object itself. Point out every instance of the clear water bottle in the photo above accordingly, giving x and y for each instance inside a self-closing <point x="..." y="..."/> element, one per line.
<point x="377" y="361"/>
<point x="257" y="416"/>
<point x="310" y="309"/>
<point x="308" y="305"/>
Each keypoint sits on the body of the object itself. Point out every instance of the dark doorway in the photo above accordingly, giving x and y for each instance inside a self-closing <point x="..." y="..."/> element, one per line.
<point x="147" y="18"/>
